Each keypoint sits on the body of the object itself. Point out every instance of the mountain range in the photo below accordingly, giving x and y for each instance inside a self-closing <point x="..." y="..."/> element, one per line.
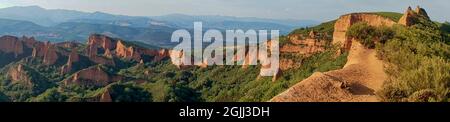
<point x="62" y="25"/>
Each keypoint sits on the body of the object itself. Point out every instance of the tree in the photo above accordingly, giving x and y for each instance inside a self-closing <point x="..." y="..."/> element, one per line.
<point x="50" y="95"/>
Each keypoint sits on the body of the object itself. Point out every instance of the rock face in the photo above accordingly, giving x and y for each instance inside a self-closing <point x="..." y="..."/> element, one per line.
<point x="92" y="51"/>
<point x="160" y="54"/>
<point x="127" y="52"/>
<point x="73" y="58"/>
<point x="344" y="22"/>
<point x="422" y="12"/>
<point x="118" y="48"/>
<point x="94" y="76"/>
<point x="102" y="41"/>
<point x="47" y="52"/>
<point x="106" y="96"/>
<point x="29" y="41"/>
<point x="108" y="54"/>
<point x="11" y="44"/>
<point x="411" y="17"/>
<point x="18" y="75"/>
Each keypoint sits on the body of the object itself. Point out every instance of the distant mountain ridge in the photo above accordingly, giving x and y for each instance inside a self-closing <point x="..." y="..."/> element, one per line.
<point x="67" y="25"/>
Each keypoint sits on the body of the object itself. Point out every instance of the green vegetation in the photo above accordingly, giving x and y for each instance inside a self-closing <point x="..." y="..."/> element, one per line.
<point x="368" y="35"/>
<point x="128" y="92"/>
<point x="419" y="66"/>
<point x="325" y="28"/>
<point x="226" y="83"/>
<point x="391" y="15"/>
<point x="52" y="95"/>
<point x="163" y="81"/>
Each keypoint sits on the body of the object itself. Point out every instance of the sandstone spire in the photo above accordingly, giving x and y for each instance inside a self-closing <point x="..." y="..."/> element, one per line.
<point x="411" y="17"/>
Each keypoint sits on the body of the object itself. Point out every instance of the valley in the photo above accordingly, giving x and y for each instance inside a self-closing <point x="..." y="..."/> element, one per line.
<point x="359" y="57"/>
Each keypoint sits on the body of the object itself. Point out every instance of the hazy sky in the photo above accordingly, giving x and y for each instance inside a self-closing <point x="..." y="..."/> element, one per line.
<point x="279" y="9"/>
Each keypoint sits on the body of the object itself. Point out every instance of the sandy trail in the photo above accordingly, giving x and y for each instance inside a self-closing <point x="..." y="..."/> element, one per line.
<point x="358" y="81"/>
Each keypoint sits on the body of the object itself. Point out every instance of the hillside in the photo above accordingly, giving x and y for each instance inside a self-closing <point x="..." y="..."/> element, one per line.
<point x="360" y="57"/>
<point x="357" y="81"/>
<point x="104" y="67"/>
<point x="376" y="68"/>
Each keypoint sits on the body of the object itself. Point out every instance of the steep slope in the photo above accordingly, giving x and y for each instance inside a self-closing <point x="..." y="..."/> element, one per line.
<point x="357" y="81"/>
<point x="363" y="74"/>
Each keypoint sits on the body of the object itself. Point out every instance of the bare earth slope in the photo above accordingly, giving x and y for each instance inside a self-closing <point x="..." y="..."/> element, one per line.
<point x="356" y="82"/>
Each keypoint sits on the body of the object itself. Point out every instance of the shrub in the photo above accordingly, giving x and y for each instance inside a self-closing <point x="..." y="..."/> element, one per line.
<point x="418" y="65"/>
<point x="369" y="35"/>
<point x="364" y="33"/>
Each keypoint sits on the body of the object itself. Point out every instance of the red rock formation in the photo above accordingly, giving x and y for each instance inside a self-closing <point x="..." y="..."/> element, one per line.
<point x="91" y="51"/>
<point x="73" y="57"/>
<point x="92" y="54"/>
<point x="93" y="76"/>
<point x="407" y="18"/>
<point x="120" y="49"/>
<point x="179" y="55"/>
<point x="422" y="12"/>
<point x="102" y="41"/>
<point x="106" y="96"/>
<point x="102" y="60"/>
<point x="126" y="52"/>
<point x="29" y="42"/>
<point x="47" y="52"/>
<point x="108" y="54"/>
<point x="19" y="75"/>
<point x="411" y="17"/>
<point x="163" y="53"/>
<point x="11" y="44"/>
<point x="344" y="22"/>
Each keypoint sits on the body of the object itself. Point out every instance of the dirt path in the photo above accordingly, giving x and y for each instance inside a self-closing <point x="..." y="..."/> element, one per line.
<point x="358" y="81"/>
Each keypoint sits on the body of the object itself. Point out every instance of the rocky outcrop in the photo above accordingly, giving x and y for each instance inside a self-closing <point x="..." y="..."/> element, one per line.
<point x="106" y="96"/>
<point x="73" y="58"/>
<point x="108" y="54"/>
<point x="91" y="51"/>
<point x="304" y="45"/>
<point x="92" y="55"/>
<point x="11" y="44"/>
<point x="102" y="41"/>
<point x="411" y="17"/>
<point x="47" y="52"/>
<point x="344" y="22"/>
<point x="177" y="54"/>
<point x="29" y="41"/>
<point x="102" y="60"/>
<point x="93" y="76"/>
<point x="19" y="75"/>
<point x="127" y="52"/>
<point x="159" y="54"/>
<point x="422" y="12"/>
<point x="118" y="48"/>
